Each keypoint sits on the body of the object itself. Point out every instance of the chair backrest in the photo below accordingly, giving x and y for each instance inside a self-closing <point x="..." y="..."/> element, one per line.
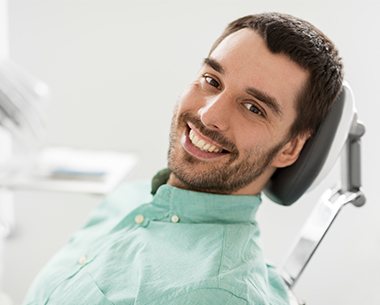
<point x="318" y="156"/>
<point x="338" y="135"/>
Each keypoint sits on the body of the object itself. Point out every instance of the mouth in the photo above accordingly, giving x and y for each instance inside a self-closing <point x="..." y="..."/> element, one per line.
<point x="201" y="146"/>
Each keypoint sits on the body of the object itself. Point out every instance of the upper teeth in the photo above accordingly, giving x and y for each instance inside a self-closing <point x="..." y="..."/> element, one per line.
<point x="202" y="144"/>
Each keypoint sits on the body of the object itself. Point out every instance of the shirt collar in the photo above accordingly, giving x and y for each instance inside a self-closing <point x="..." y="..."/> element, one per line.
<point x="192" y="206"/>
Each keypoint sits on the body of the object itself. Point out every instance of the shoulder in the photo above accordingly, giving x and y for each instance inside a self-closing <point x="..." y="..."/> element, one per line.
<point x="125" y="198"/>
<point x="131" y="194"/>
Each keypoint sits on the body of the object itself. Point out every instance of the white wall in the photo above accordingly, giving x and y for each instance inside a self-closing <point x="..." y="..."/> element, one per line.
<point x="4" y="37"/>
<point x="116" y="68"/>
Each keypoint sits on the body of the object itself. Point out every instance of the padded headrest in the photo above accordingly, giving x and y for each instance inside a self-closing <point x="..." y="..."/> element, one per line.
<point x="318" y="156"/>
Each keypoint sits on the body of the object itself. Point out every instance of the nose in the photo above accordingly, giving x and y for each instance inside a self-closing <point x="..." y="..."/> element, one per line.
<point x="216" y="112"/>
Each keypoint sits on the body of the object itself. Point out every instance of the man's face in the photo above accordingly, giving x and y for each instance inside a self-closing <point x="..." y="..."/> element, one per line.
<point x="230" y="129"/>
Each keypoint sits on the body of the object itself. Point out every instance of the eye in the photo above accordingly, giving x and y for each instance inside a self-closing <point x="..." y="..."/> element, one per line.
<point x="211" y="81"/>
<point x="253" y="108"/>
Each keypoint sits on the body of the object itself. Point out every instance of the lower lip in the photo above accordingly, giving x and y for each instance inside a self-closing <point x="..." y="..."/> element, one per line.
<point x="196" y="152"/>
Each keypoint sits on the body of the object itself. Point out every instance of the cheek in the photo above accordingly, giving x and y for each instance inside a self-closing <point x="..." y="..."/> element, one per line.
<point x="251" y="139"/>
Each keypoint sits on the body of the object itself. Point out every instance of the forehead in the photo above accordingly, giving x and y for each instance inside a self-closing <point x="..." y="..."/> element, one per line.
<point x="248" y="62"/>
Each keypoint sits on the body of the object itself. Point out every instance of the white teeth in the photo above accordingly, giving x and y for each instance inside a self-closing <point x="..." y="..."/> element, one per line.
<point x="207" y="146"/>
<point x="202" y="144"/>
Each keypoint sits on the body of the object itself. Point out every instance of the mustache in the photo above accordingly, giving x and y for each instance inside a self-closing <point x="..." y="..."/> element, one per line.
<point x="212" y="134"/>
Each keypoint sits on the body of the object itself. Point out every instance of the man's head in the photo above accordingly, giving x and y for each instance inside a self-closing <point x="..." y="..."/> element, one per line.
<point x="309" y="48"/>
<point x="266" y="85"/>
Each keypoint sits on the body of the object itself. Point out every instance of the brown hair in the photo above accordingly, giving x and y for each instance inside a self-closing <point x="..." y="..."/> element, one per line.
<point x="308" y="47"/>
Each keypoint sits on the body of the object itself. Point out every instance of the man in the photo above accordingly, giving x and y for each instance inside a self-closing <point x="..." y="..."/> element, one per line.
<point x="264" y="88"/>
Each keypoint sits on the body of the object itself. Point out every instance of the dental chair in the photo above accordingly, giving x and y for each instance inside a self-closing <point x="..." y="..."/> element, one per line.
<point x="338" y="136"/>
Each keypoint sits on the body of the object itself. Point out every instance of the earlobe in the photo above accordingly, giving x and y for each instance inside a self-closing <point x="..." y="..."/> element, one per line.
<point x="290" y="151"/>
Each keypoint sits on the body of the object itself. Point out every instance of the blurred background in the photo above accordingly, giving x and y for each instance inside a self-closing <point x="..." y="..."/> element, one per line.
<point x="115" y="70"/>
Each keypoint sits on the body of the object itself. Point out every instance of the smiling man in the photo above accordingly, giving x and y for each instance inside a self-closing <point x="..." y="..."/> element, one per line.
<point x="261" y="93"/>
<point x="231" y="129"/>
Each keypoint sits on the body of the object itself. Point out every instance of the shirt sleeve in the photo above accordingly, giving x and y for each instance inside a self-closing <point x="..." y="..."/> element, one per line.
<point x="206" y="296"/>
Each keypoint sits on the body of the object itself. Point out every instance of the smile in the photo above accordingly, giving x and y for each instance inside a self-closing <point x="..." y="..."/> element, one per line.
<point x="203" y="144"/>
<point x="200" y="146"/>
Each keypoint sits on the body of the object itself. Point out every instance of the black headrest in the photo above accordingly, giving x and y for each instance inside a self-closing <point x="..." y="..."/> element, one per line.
<point x="288" y="184"/>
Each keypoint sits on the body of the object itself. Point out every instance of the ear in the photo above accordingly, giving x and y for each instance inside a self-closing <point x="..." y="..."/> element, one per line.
<point x="289" y="153"/>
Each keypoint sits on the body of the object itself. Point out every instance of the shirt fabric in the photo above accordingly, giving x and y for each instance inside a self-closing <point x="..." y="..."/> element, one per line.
<point x="177" y="247"/>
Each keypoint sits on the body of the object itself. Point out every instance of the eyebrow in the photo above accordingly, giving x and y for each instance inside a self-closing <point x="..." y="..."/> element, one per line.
<point x="268" y="100"/>
<point x="214" y="64"/>
<point x="263" y="97"/>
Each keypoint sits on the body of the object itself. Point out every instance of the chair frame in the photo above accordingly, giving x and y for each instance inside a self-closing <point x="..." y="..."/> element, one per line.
<point x="327" y="209"/>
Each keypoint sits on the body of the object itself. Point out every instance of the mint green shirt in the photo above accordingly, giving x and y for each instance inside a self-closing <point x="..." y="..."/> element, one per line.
<point x="176" y="248"/>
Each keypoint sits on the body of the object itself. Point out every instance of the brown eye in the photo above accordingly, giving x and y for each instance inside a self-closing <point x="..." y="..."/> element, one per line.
<point x="211" y="81"/>
<point x="254" y="109"/>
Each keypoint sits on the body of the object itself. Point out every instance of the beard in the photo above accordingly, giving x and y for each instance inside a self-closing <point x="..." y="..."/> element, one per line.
<point x="235" y="171"/>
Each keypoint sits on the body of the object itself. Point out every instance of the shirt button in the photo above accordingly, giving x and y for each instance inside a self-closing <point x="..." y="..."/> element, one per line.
<point x="174" y="218"/>
<point x="139" y="219"/>
<point x="82" y="260"/>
